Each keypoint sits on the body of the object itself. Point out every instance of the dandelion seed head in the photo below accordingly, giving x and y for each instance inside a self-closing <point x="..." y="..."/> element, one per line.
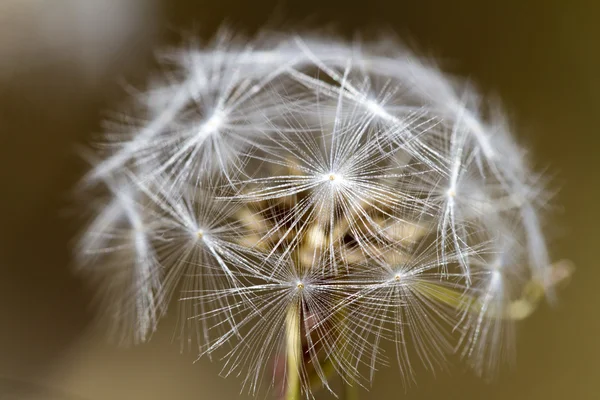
<point x="337" y="196"/>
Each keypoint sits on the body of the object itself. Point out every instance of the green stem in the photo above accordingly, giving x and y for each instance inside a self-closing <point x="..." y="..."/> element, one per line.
<point x="293" y="354"/>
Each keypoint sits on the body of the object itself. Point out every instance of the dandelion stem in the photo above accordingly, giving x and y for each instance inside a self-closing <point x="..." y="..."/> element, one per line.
<point x="293" y="353"/>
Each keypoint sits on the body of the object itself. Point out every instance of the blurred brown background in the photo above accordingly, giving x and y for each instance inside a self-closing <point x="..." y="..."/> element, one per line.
<point x="60" y="66"/>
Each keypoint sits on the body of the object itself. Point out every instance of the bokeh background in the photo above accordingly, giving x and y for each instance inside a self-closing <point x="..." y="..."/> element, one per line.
<point x="62" y="64"/>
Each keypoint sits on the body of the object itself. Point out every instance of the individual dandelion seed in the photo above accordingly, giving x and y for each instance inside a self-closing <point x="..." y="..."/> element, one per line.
<point x="464" y="196"/>
<point x="201" y="246"/>
<point x="504" y="291"/>
<point x="313" y="201"/>
<point x="120" y="241"/>
<point x="285" y="310"/>
<point x="330" y="178"/>
<point x="216" y="111"/>
<point x="411" y="299"/>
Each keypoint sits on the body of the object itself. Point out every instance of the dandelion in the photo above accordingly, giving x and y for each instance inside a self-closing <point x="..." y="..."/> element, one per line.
<point x="310" y="202"/>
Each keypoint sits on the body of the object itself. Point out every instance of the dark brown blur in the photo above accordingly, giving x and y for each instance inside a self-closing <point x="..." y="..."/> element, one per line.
<point x="62" y="63"/>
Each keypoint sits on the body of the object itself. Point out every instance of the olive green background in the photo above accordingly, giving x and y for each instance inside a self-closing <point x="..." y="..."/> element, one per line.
<point x="541" y="58"/>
